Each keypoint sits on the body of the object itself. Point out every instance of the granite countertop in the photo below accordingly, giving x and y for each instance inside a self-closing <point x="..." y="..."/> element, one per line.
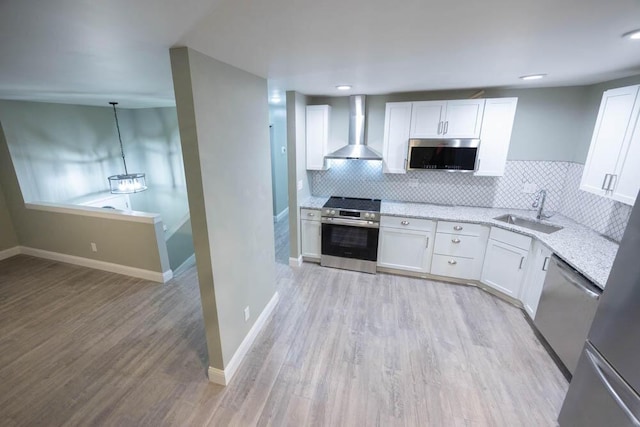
<point x="582" y="248"/>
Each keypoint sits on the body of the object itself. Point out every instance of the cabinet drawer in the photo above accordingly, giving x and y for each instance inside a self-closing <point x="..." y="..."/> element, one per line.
<point x="510" y="238"/>
<point x="407" y="223"/>
<point x="310" y="214"/>
<point x="450" y="266"/>
<point x="458" y="245"/>
<point x="462" y="228"/>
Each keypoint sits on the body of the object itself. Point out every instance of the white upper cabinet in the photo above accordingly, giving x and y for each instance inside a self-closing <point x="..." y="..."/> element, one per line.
<point x="627" y="177"/>
<point x="447" y="119"/>
<point x="427" y="119"/>
<point x="397" y="121"/>
<point x="491" y="120"/>
<point x="495" y="136"/>
<point x="463" y="119"/>
<point x="607" y="171"/>
<point x="317" y="136"/>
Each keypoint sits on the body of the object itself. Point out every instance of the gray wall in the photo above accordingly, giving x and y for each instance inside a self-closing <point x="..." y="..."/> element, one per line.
<point x="550" y="123"/>
<point x="60" y="152"/>
<point x="8" y="237"/>
<point x="64" y="153"/>
<point x="133" y="244"/>
<point x="224" y="127"/>
<point x="180" y="245"/>
<point x="296" y="145"/>
<point x="278" y="119"/>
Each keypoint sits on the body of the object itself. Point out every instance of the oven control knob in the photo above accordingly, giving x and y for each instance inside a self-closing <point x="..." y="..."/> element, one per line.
<point x="367" y="215"/>
<point x="332" y="212"/>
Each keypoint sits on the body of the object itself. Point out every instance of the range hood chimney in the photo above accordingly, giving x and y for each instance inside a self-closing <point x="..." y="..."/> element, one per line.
<point x="357" y="148"/>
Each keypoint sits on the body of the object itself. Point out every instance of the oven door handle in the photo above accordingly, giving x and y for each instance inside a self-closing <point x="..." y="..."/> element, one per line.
<point x="352" y="222"/>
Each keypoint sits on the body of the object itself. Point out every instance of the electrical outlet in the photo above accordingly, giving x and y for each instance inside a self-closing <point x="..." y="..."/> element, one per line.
<point x="94" y="248"/>
<point x="529" y="187"/>
<point x="247" y="313"/>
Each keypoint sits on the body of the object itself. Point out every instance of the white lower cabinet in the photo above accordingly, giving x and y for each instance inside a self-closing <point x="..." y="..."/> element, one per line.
<point x="536" y="273"/>
<point x="311" y="233"/>
<point x="459" y="250"/>
<point x="505" y="261"/>
<point x="406" y="244"/>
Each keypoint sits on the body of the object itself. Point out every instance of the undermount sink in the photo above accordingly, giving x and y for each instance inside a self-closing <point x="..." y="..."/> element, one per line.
<point x="529" y="223"/>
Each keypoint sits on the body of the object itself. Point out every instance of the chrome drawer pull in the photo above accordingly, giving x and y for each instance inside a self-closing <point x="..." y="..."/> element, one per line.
<point x="457" y="228"/>
<point x="311" y="214"/>
<point x="405" y="223"/>
<point x="455" y="240"/>
<point x="452" y="262"/>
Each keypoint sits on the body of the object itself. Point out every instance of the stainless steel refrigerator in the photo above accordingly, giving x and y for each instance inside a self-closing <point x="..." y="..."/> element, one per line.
<point x="605" y="389"/>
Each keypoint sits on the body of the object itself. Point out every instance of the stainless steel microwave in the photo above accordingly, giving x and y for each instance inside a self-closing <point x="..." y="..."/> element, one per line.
<point x="455" y="155"/>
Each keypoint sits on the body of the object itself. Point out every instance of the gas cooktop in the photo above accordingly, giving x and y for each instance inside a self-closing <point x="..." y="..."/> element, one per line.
<point x="353" y="204"/>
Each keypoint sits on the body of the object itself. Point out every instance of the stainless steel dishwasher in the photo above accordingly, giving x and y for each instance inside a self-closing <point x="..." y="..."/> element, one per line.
<point x="567" y="307"/>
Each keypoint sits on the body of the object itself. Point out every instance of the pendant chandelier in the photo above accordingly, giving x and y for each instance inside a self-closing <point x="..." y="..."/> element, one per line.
<point x="126" y="183"/>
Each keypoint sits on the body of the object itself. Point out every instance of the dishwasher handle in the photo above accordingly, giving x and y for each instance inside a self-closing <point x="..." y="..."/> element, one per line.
<point x="571" y="276"/>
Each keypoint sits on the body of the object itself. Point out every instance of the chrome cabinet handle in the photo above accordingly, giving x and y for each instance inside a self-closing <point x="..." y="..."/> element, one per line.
<point x="604" y="182"/>
<point x="545" y="264"/>
<point x="427" y="243"/>
<point x="452" y="262"/>
<point x="455" y="240"/>
<point x="521" y="261"/>
<point x="405" y="223"/>
<point x="457" y="228"/>
<point x="439" y="127"/>
<point x="611" y="185"/>
<point x="446" y="127"/>
<point x="405" y="164"/>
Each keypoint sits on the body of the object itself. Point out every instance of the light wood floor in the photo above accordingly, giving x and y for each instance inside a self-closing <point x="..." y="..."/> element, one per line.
<point x="83" y="347"/>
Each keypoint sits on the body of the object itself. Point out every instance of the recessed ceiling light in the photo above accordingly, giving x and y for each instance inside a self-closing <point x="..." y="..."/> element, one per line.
<point x="533" y="77"/>
<point x="633" y="35"/>
<point x="343" y="87"/>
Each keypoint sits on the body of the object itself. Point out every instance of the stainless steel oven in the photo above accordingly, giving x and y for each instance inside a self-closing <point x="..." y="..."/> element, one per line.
<point x="350" y="235"/>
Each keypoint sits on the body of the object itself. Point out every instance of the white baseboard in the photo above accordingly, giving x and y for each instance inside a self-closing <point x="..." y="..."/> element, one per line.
<point x="223" y="377"/>
<point x="154" y="276"/>
<point x="186" y="264"/>
<point x="216" y="376"/>
<point x="277" y="218"/>
<point x="167" y="275"/>
<point x="8" y="253"/>
<point x="295" y="262"/>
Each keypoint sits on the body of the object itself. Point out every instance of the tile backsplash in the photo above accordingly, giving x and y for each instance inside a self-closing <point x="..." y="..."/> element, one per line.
<point x="362" y="178"/>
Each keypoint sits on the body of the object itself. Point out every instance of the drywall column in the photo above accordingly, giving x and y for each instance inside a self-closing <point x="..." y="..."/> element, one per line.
<point x="224" y="128"/>
<point x="297" y="165"/>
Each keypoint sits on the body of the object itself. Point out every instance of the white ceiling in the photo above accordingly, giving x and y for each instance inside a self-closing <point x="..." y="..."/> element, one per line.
<point x="91" y="52"/>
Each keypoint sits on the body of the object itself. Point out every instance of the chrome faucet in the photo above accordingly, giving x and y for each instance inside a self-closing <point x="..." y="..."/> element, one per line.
<point x="539" y="203"/>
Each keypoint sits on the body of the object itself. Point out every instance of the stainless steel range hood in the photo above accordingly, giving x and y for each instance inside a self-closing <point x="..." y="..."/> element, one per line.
<point x="357" y="148"/>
